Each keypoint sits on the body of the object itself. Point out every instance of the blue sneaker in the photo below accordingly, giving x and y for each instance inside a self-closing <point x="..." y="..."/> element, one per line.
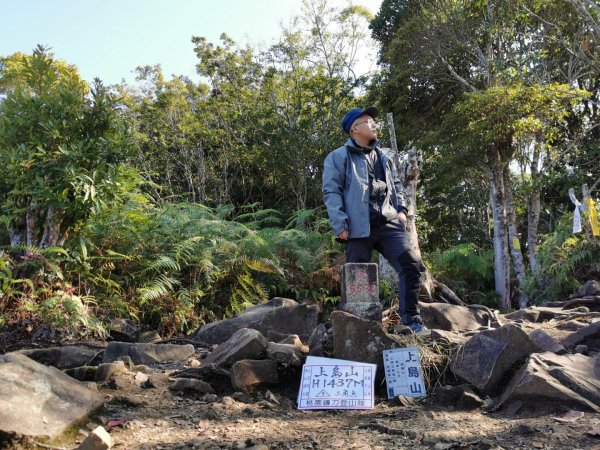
<point x="418" y="328"/>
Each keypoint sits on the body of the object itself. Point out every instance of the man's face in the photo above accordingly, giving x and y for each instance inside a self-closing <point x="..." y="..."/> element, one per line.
<point x="364" y="128"/>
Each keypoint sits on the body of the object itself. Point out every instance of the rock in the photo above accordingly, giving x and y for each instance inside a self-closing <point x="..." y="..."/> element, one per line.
<point x="571" y="325"/>
<point x="98" y="439"/>
<point x="107" y="370"/>
<point x="217" y="377"/>
<point x="128" y="362"/>
<point x="246" y="374"/>
<point x="366" y="310"/>
<point x="469" y="400"/>
<point x="242" y="397"/>
<point x="122" y="382"/>
<point x="294" y="339"/>
<point x="286" y="354"/>
<point x="124" y="330"/>
<point x="591" y="287"/>
<point x="591" y="303"/>
<point x="147" y="353"/>
<point x="448" y="336"/>
<point x="277" y="315"/>
<point x="319" y="341"/>
<point x="546" y="343"/>
<point x="150" y="337"/>
<point x="486" y="357"/>
<point x="36" y="400"/>
<point x="583" y="349"/>
<point x="443" y="316"/>
<point x="141" y="378"/>
<point x="527" y="315"/>
<point x="245" y="343"/>
<point x="67" y="357"/>
<point x="568" y="379"/>
<point x="84" y="373"/>
<point x="195" y="363"/>
<point x="589" y="336"/>
<point x="356" y="339"/>
<point x="187" y="385"/>
<point x="157" y="380"/>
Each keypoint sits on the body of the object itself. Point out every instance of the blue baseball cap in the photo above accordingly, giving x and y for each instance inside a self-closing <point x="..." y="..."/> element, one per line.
<point x="354" y="114"/>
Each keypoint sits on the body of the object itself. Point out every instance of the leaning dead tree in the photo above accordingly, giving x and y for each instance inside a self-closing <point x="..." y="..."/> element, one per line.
<point x="409" y="173"/>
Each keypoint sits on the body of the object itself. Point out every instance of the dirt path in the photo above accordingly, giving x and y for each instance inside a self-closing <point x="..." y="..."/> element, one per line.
<point x="157" y="419"/>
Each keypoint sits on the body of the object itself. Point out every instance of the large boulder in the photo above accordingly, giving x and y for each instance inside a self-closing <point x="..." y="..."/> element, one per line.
<point x="545" y="342"/>
<point x="67" y="357"/>
<point x="573" y="380"/>
<point x="277" y="315"/>
<point x="589" y="336"/>
<point x="285" y="354"/>
<point x="244" y="344"/>
<point x="247" y="374"/>
<point x="147" y="353"/>
<point x="357" y="339"/>
<point x="590" y="288"/>
<point x="36" y="400"/>
<point x="444" y="316"/>
<point x="486" y="357"/>
<point x="124" y="330"/>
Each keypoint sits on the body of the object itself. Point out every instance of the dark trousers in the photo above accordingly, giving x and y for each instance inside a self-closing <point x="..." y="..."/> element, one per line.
<point x="391" y="241"/>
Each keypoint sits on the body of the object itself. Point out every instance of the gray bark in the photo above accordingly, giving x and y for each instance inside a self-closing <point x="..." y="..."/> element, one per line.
<point x="513" y="239"/>
<point x="533" y="216"/>
<point x="501" y="256"/>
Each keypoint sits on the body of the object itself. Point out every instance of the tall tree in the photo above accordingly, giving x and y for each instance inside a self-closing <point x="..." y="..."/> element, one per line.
<point x="62" y="148"/>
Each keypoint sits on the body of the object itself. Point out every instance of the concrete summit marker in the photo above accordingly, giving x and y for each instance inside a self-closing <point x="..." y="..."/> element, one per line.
<point x="360" y="291"/>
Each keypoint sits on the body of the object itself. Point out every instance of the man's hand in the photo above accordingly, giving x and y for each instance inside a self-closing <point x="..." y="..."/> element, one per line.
<point x="402" y="217"/>
<point x="343" y="235"/>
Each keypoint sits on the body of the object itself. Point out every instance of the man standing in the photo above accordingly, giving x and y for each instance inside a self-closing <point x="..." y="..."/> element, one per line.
<point x="365" y="203"/>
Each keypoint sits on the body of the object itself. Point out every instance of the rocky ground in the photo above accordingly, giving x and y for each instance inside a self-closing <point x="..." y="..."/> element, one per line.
<point x="142" y="417"/>
<point x="525" y="380"/>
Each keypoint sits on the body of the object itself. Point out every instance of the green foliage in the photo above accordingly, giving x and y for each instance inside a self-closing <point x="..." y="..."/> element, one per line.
<point x="62" y="146"/>
<point x="468" y="271"/>
<point x="175" y="266"/>
<point x="43" y="295"/>
<point x="566" y="261"/>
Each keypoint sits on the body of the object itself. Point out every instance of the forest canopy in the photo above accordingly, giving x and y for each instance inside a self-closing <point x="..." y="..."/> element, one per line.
<point x="176" y="202"/>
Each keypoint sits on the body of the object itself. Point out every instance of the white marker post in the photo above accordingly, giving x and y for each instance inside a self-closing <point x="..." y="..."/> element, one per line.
<point x="329" y="383"/>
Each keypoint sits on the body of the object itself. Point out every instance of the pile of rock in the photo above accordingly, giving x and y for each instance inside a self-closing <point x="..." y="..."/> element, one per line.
<point x="546" y="353"/>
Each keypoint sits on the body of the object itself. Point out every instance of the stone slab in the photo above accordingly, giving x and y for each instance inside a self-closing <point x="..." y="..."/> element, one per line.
<point x="36" y="400"/>
<point x="360" y="283"/>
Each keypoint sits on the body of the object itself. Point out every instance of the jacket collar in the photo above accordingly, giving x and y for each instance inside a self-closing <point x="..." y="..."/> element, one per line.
<point x="354" y="147"/>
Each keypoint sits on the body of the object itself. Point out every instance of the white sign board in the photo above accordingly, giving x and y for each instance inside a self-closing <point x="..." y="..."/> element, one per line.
<point x="336" y="384"/>
<point x="403" y="372"/>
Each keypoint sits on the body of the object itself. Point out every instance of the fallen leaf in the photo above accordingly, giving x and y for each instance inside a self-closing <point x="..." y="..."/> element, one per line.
<point x="570" y="416"/>
<point x="112" y="423"/>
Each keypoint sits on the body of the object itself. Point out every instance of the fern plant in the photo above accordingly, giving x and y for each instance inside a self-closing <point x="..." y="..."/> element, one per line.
<point x="467" y="270"/>
<point x="566" y="260"/>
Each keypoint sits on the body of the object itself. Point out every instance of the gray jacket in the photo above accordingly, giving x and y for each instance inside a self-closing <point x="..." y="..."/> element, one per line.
<point x="346" y="189"/>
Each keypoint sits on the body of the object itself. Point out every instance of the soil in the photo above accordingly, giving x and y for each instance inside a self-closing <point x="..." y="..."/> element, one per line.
<point x="155" y="418"/>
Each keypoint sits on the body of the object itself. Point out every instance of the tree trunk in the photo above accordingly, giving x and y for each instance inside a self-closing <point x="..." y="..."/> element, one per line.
<point x="501" y="257"/>
<point x="51" y="235"/>
<point x="410" y="182"/>
<point x="15" y="235"/>
<point x="31" y="223"/>
<point x="513" y="238"/>
<point x="533" y="216"/>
